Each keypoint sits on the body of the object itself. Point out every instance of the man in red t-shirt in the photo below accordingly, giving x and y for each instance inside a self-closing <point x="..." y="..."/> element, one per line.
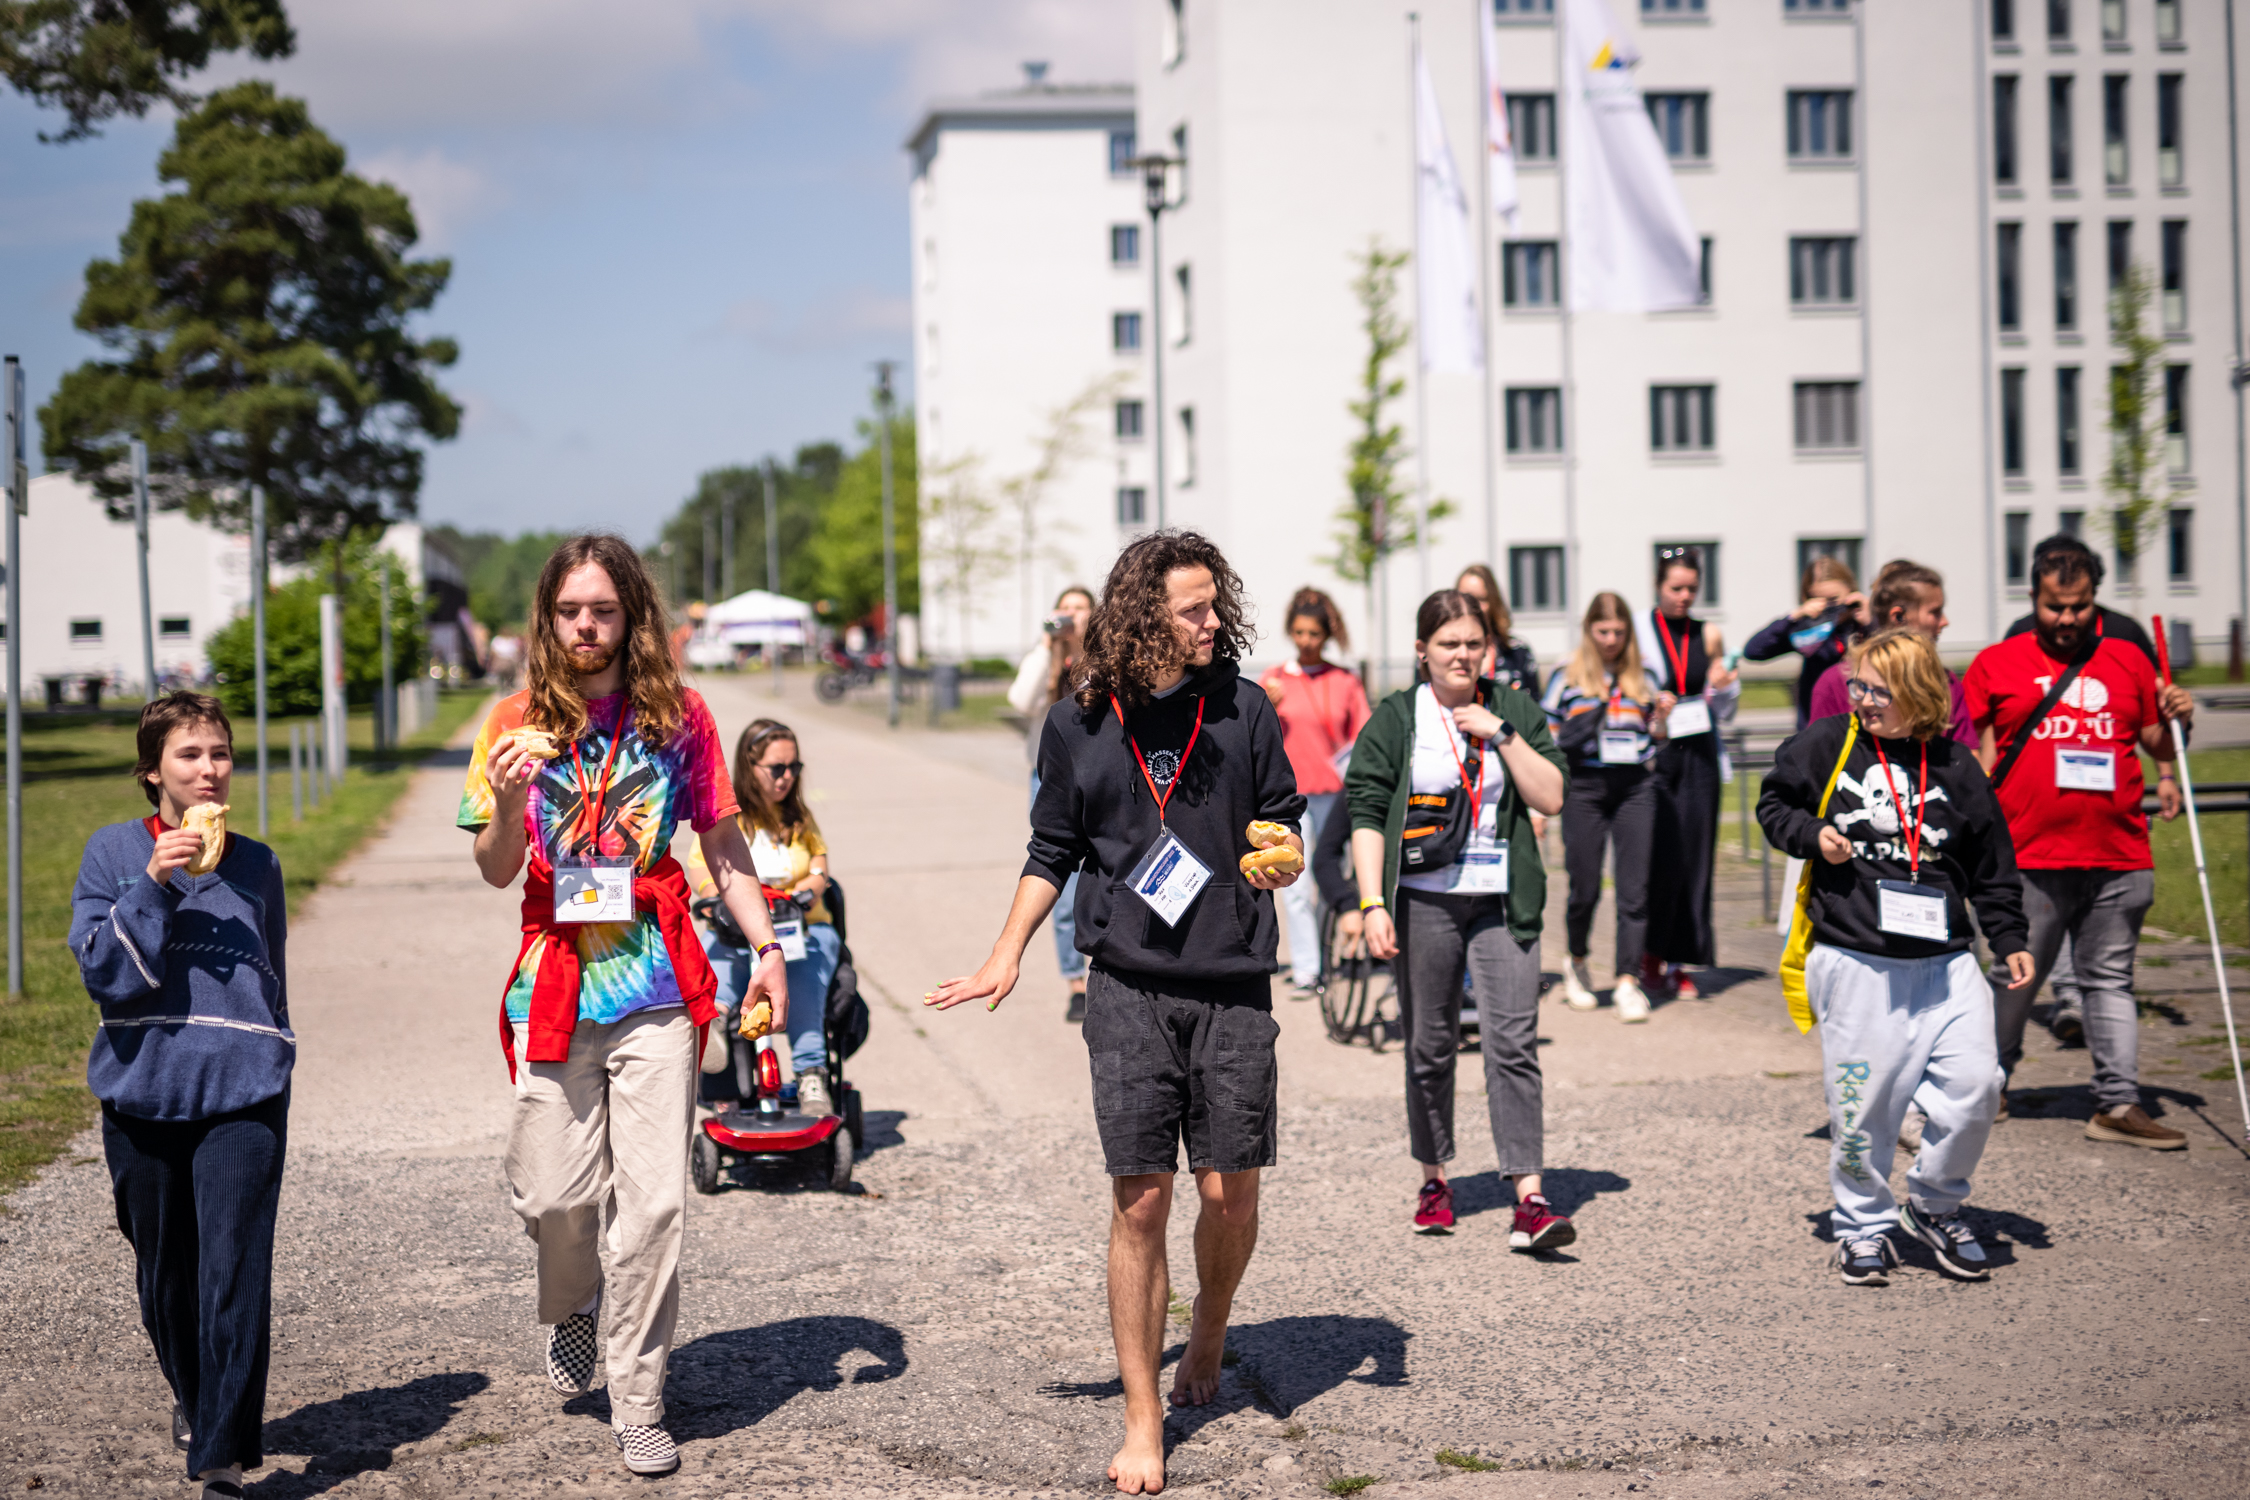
<point x="2069" y="782"/>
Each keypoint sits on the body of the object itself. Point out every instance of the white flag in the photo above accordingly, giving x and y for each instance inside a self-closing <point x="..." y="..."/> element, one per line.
<point x="1499" y="142"/>
<point x="1451" y="335"/>
<point x="1632" y="247"/>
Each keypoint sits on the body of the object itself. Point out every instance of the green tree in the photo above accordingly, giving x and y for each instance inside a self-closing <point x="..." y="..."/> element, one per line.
<point x="97" y="59"/>
<point x="1062" y="444"/>
<point x="293" y="637"/>
<point x="964" y="540"/>
<point x="258" y="322"/>
<point x="2137" y="480"/>
<point x="847" y="548"/>
<point x="502" y="572"/>
<point x="802" y="488"/>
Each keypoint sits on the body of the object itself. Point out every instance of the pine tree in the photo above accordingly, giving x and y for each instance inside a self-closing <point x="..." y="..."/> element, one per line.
<point x="97" y="59"/>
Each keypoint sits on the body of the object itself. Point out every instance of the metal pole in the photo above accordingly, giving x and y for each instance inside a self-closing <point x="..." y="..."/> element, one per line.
<point x="1421" y="360"/>
<point x="1866" y="302"/>
<point x="296" y="775"/>
<point x="1994" y="584"/>
<point x="386" y="707"/>
<point x="2238" y="374"/>
<point x="710" y="547"/>
<point x="1488" y="324"/>
<point x="726" y="546"/>
<point x="1564" y="80"/>
<point x="140" y="531"/>
<point x="890" y="540"/>
<point x="258" y="632"/>
<point x="1152" y="177"/>
<point x="773" y="573"/>
<point x="11" y="398"/>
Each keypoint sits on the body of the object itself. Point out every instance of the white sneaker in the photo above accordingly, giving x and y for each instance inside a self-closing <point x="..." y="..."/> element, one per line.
<point x="812" y="1095"/>
<point x="1577" y="989"/>
<point x="1632" y="1005"/>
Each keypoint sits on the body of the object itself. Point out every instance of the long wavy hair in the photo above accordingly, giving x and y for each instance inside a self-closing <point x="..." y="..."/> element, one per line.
<point x="1131" y="642"/>
<point x="786" y="817"/>
<point x="1589" y="673"/>
<point x="652" y="678"/>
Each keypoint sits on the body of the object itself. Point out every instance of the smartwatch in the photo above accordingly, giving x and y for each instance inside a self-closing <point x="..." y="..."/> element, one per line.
<point x="1507" y="733"/>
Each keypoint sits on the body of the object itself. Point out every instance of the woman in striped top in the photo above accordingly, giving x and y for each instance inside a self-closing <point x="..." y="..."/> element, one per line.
<point x="1606" y="716"/>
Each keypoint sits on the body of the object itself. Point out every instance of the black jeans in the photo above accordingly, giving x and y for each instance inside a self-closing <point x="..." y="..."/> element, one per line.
<point x="197" y="1200"/>
<point x="1610" y="805"/>
<point x="1687" y="838"/>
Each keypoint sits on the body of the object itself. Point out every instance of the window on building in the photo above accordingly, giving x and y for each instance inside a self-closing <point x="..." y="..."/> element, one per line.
<point x="2167" y="23"/>
<point x="2116" y="164"/>
<point x="1534" y="419"/>
<point x="2170" y="171"/>
<point x="2179" y="544"/>
<point x="173" y="627"/>
<point x="1531" y="126"/>
<point x="2004" y="129"/>
<point x="2066" y="275"/>
<point x="2070" y="523"/>
<point x="1130" y="415"/>
<point x="1844" y="549"/>
<point x="2174" y="276"/>
<point x="1187" y="446"/>
<point x="85" y="632"/>
<point x="2011" y="422"/>
<point x="1827" y="415"/>
<point x="1681" y="418"/>
<point x="1124" y="244"/>
<point x="2058" y="20"/>
<point x="1175" y="32"/>
<point x="2003" y="20"/>
<point x="1186" y="285"/>
<point x="1535" y="579"/>
<point x="1815" y="7"/>
<point x="2061" y="163"/>
<point x="2009" y="268"/>
<point x="1528" y="274"/>
<point x="1703" y="270"/>
<point x="1820" y="124"/>
<point x="2120" y="252"/>
<point x="1683" y="124"/>
<point x="2175" y="418"/>
<point x="1132" y="505"/>
<point x="1123" y="147"/>
<point x="2016" y="547"/>
<point x="1523" y="7"/>
<point x="1124" y="331"/>
<point x="1661" y="8"/>
<point x="2113" y="20"/>
<point x="2067" y="454"/>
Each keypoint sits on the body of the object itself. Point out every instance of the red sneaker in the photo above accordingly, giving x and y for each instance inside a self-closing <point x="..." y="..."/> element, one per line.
<point x="1683" y="986"/>
<point x="1539" y="1227"/>
<point x="1654" y="979"/>
<point x="1433" y="1213"/>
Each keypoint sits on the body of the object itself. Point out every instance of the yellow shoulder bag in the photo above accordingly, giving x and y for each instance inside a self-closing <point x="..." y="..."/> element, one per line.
<point x="1800" y="925"/>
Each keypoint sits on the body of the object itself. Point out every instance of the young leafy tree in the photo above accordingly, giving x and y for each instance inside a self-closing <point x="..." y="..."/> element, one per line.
<point x="97" y="59"/>
<point x="802" y="488"/>
<point x="2139" y="488"/>
<point x="1062" y="444"/>
<point x="293" y="636"/>
<point x="258" y="325"/>
<point x="963" y="542"/>
<point x="847" y="549"/>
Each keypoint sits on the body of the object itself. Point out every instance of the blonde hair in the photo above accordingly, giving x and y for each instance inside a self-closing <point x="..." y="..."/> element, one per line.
<point x="1498" y="621"/>
<point x="1587" y="672"/>
<point x="1911" y="671"/>
<point x="1826" y="569"/>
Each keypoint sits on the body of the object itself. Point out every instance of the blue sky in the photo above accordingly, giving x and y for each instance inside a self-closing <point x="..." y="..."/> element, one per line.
<point x="674" y="247"/>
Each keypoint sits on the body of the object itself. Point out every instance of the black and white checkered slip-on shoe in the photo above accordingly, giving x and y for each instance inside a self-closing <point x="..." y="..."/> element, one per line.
<point x="1959" y="1253"/>
<point x="180" y="1433"/>
<point x="647" y="1450"/>
<point x="572" y="1348"/>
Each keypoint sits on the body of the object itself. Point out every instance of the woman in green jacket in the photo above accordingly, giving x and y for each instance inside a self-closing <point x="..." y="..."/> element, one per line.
<point x="1443" y="781"/>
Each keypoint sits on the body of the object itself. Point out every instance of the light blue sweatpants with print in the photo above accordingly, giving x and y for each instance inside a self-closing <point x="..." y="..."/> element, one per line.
<point x="1894" y="1032"/>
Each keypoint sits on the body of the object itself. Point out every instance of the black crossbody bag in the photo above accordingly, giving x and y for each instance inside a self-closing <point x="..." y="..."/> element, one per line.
<point x="1438" y="824"/>
<point x="2055" y="690"/>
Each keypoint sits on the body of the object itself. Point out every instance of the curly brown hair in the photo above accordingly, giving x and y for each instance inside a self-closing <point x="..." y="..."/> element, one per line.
<point x="1131" y="642"/>
<point x="652" y="678"/>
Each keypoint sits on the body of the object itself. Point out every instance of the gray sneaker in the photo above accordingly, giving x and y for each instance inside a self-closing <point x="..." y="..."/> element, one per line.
<point x="1951" y="1240"/>
<point x="812" y="1095"/>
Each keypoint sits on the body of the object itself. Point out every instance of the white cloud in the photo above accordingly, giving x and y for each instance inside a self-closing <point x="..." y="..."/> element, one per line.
<point x="839" y="320"/>
<point x="485" y="415"/>
<point x="445" y="193"/>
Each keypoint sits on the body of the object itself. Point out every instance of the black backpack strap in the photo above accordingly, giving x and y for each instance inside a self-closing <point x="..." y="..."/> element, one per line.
<point x="2038" y="717"/>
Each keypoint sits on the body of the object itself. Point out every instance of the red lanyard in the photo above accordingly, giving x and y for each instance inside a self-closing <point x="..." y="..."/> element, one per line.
<point x="1179" y="774"/>
<point x="590" y="797"/>
<point x="1677" y="654"/>
<point x="1475" y="789"/>
<point x="1921" y="808"/>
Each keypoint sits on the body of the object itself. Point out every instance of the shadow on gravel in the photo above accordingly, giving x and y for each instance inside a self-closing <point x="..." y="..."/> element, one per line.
<point x="355" y="1434"/>
<point x="2000" y="1230"/>
<point x="882" y="1130"/>
<point x="1714" y="982"/>
<point x="457" y="759"/>
<point x="1289" y="1361"/>
<point x="1567" y="1188"/>
<point x="724" y="1382"/>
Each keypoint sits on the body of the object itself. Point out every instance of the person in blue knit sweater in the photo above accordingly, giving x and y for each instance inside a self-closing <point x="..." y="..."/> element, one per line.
<point x="191" y="1063"/>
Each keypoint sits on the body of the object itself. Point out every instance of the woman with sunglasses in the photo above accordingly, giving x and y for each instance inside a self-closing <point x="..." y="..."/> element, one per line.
<point x="789" y="855"/>
<point x="1902" y="836"/>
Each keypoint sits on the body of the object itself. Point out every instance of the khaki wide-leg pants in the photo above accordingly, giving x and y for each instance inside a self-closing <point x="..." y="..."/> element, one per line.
<point x="597" y="1169"/>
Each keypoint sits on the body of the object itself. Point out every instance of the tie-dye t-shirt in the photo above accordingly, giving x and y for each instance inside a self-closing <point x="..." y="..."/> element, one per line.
<point x="624" y="967"/>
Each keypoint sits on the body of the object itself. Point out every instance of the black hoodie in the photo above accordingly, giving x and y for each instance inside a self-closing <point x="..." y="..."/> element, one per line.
<point x="1094" y="814"/>
<point x="1965" y="848"/>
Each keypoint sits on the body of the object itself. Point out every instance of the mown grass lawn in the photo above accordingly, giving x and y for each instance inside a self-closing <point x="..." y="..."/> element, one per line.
<point x="77" y="777"/>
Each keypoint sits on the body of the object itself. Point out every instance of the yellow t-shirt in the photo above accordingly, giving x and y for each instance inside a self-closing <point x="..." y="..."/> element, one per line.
<point x="780" y="865"/>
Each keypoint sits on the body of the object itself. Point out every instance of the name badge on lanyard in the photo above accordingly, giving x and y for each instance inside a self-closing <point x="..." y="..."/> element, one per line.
<point x="595" y="887"/>
<point x="1168" y="877"/>
<point x="1915" y="911"/>
<point x="1689" y="716"/>
<point x="789" y="931"/>
<point x="2085" y="768"/>
<point x="1620" y="747"/>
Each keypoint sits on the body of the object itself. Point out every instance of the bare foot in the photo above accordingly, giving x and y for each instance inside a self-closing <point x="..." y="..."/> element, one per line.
<point x="1196" y="1382"/>
<point x="1138" y="1468"/>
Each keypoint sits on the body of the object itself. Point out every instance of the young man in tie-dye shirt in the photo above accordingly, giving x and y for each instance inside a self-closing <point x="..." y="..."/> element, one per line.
<point x="602" y="1020"/>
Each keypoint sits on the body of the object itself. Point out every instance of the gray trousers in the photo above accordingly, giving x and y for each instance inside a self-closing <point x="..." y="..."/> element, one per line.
<point x="1437" y="937"/>
<point x="2101" y="912"/>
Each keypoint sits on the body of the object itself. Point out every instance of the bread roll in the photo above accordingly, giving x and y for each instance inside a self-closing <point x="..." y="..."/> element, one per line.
<point x="537" y="743"/>
<point x="757" y="1020"/>
<point x="1279" y="858"/>
<point x="210" y="820"/>
<point x="1264" y="835"/>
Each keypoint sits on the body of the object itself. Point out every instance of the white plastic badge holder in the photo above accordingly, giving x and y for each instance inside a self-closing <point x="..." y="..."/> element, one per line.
<point x="599" y="889"/>
<point x="1169" y="878"/>
<point x="1482" y="869"/>
<point x="1915" y="911"/>
<point x="1689" y="716"/>
<point x="2085" y="768"/>
<point x="789" y="931"/>
<point x="1620" y="747"/>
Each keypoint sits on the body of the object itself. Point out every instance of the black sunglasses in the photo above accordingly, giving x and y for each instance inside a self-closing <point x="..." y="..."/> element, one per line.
<point x="793" y="767"/>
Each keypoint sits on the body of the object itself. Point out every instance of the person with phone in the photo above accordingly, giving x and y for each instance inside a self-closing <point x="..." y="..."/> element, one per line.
<point x="1903" y="839"/>
<point x="1047" y="675"/>
<point x="1830" y="615"/>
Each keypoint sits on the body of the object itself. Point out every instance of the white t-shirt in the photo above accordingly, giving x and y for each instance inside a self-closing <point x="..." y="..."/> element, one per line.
<point x="1440" y="753"/>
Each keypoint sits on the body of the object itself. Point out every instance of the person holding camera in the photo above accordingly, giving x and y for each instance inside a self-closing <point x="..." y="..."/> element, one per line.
<point x="1833" y="613"/>
<point x="1048" y="674"/>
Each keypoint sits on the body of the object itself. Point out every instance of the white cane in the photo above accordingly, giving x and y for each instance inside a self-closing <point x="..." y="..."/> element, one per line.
<point x="2203" y="880"/>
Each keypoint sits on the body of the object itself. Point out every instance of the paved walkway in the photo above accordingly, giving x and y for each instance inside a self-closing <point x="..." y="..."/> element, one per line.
<point x="943" y="1331"/>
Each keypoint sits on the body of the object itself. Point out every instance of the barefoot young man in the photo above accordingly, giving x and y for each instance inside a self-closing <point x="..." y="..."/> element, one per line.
<point x="1149" y="777"/>
<point x="610" y="991"/>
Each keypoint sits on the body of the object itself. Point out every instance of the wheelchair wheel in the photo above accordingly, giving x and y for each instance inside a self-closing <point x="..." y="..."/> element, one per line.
<point x="852" y="1116"/>
<point x="840" y="1147"/>
<point x="831" y="687"/>
<point x="703" y="1164"/>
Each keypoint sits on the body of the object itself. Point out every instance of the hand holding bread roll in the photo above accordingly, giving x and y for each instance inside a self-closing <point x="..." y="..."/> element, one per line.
<point x="1264" y="835"/>
<point x="210" y="820"/>
<point x="536" y="743"/>
<point x="757" y="1020"/>
<point x="1277" y="859"/>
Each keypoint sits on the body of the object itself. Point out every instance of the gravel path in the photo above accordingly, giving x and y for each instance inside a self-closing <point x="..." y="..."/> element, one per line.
<point x="941" y="1332"/>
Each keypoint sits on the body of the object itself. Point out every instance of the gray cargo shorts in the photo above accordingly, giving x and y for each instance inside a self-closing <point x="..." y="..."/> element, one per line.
<point x="1168" y="1065"/>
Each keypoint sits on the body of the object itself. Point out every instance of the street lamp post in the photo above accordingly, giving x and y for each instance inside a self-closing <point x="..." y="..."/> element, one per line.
<point x="773" y="573"/>
<point x="890" y="539"/>
<point x="1156" y="187"/>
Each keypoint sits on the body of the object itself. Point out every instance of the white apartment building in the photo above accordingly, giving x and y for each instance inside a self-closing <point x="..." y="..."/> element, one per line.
<point x="1909" y="212"/>
<point x="1030" y="289"/>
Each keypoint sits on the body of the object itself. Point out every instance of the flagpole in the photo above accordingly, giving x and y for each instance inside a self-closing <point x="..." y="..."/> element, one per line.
<point x="1421" y="316"/>
<point x="1477" y="10"/>
<point x="1860" y="270"/>
<point x="1568" y="289"/>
